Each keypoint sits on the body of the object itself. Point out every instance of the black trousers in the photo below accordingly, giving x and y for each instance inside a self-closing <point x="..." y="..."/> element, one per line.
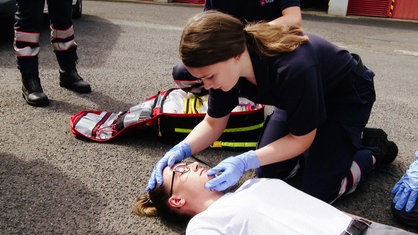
<point x="29" y="19"/>
<point x="337" y="143"/>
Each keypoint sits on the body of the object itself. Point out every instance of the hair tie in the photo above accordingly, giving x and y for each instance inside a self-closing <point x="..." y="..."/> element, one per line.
<point x="149" y="199"/>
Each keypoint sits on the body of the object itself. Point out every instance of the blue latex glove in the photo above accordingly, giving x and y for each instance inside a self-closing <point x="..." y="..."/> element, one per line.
<point x="232" y="169"/>
<point x="406" y="190"/>
<point x="176" y="154"/>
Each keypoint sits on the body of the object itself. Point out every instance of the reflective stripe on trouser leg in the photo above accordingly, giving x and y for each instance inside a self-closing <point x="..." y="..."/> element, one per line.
<point x="26" y="44"/>
<point x="349" y="183"/>
<point x="27" y="51"/>
<point x="62" y="34"/>
<point x="64" y="47"/>
<point x="362" y="165"/>
<point x="29" y="37"/>
<point x="62" y="40"/>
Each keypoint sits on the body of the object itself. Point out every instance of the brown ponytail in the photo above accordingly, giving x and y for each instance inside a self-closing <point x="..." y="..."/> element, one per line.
<point x="271" y="40"/>
<point x="211" y="37"/>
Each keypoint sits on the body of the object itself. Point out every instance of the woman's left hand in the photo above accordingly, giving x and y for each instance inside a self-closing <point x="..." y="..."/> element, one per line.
<point x="231" y="170"/>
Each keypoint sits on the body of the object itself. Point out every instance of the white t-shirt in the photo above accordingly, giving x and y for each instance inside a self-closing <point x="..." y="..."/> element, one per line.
<point x="269" y="206"/>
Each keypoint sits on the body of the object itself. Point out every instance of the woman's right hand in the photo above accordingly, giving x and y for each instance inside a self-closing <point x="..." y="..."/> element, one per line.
<point x="176" y="154"/>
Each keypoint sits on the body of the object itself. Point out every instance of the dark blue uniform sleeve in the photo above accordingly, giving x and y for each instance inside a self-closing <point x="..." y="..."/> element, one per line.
<point x="289" y="3"/>
<point x="251" y="10"/>
<point x="222" y="103"/>
<point x="304" y="101"/>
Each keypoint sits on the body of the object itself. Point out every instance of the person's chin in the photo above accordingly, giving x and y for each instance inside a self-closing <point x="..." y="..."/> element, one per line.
<point x="225" y="89"/>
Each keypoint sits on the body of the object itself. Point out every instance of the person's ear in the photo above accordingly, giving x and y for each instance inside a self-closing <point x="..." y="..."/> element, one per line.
<point x="177" y="202"/>
<point x="237" y="57"/>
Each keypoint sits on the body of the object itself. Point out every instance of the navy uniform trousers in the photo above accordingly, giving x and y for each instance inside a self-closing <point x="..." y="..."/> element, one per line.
<point x="336" y="161"/>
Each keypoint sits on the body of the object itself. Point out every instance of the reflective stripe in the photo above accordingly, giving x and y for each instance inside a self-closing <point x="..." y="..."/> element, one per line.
<point x="192" y="105"/>
<point x="220" y="144"/>
<point x="356" y="173"/>
<point x="27" y="51"/>
<point x="236" y="129"/>
<point x="356" y="177"/>
<point x="26" y="37"/>
<point x="245" y="128"/>
<point x="62" y="34"/>
<point x="63" y="46"/>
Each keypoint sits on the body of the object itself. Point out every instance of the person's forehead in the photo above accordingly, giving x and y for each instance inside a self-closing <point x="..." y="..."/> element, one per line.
<point x="167" y="174"/>
<point x="168" y="171"/>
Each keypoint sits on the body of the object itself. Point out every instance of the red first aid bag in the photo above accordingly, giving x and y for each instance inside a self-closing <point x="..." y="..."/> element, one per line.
<point x="171" y="114"/>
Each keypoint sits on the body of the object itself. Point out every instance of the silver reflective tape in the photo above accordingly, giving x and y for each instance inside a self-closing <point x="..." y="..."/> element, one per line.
<point x="63" y="46"/>
<point x="137" y="116"/>
<point x="62" y="34"/>
<point x="87" y="123"/>
<point x="26" y="37"/>
<point x="356" y="174"/>
<point x="27" y="51"/>
<point x="105" y="131"/>
<point x="146" y="104"/>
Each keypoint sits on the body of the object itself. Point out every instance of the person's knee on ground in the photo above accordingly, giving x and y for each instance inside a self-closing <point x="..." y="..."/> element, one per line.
<point x="187" y="82"/>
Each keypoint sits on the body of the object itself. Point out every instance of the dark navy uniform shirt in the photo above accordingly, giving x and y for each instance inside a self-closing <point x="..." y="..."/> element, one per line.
<point x="300" y="82"/>
<point x="251" y="10"/>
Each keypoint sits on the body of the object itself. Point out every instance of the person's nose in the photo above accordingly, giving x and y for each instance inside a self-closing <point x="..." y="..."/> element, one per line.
<point x="195" y="166"/>
<point x="207" y="85"/>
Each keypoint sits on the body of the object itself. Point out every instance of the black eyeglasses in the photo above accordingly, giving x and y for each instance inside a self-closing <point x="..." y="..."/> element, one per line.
<point x="180" y="168"/>
<point x="183" y="168"/>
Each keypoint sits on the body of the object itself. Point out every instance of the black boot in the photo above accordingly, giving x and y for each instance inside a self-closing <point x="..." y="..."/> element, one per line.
<point x="383" y="150"/>
<point x="70" y="79"/>
<point x="32" y="90"/>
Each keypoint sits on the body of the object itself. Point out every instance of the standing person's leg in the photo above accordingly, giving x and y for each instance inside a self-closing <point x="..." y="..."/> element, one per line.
<point x="29" y="18"/>
<point x="63" y="43"/>
<point x="275" y="127"/>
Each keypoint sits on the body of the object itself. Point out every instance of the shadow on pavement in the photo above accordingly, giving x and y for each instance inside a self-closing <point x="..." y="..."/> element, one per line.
<point x="36" y="198"/>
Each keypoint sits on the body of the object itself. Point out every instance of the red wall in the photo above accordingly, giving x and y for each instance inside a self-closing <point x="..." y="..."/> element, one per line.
<point x="405" y="9"/>
<point x="378" y="8"/>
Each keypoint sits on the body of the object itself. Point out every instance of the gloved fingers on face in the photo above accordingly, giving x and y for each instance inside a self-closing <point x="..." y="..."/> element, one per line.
<point x="158" y="172"/>
<point x="215" y="170"/>
<point x="151" y="181"/>
<point x="411" y="201"/>
<point x="217" y="184"/>
<point x="171" y="159"/>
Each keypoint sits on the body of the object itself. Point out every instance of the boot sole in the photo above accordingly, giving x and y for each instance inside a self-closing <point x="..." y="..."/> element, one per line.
<point x="40" y="103"/>
<point x="371" y="135"/>
<point x="376" y="140"/>
<point x="81" y="90"/>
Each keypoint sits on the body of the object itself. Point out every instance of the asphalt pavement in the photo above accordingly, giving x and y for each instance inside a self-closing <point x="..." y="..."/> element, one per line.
<point x="54" y="183"/>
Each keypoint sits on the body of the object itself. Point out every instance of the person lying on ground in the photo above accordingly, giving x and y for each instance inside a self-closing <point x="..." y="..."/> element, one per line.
<point x="259" y="206"/>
